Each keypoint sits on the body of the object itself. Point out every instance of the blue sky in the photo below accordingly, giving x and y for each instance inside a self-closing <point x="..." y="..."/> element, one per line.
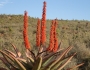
<point x="61" y="9"/>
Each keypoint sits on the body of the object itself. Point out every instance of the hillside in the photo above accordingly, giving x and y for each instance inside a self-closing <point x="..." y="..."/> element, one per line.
<point x="74" y="33"/>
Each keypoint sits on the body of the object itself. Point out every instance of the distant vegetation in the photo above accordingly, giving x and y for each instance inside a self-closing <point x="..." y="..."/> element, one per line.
<point x="71" y="32"/>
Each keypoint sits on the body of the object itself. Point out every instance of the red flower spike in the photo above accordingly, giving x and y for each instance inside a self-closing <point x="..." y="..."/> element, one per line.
<point x="55" y="38"/>
<point x="25" y="33"/>
<point x="38" y="34"/>
<point x="55" y="45"/>
<point x="43" y="24"/>
<point x="51" y="44"/>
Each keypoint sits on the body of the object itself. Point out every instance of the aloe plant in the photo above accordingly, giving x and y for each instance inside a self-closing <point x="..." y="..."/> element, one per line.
<point x="42" y="61"/>
<point x="47" y="58"/>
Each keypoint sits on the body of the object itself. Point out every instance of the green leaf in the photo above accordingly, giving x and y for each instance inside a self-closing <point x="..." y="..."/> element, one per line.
<point x="5" y="54"/>
<point x="38" y="64"/>
<point x="47" y="60"/>
<point x="5" y="62"/>
<point x="63" y="65"/>
<point x="59" y="58"/>
<point x="9" y="52"/>
<point x="27" y="65"/>
<point x="19" y="64"/>
<point x="13" y="59"/>
<point x="74" y="67"/>
<point x="16" y="50"/>
<point x="29" y="57"/>
<point x="63" y="61"/>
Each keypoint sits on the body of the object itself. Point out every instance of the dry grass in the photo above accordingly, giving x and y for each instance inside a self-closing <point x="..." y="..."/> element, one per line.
<point x="75" y="33"/>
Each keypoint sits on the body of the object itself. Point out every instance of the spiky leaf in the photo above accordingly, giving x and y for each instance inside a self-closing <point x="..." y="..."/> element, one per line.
<point x="38" y="64"/>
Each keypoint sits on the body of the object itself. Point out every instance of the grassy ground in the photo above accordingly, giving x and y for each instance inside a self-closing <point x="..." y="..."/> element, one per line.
<point x="72" y="33"/>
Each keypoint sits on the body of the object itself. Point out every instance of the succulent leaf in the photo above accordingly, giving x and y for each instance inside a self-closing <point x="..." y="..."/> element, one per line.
<point x="74" y="67"/>
<point x="9" y="52"/>
<point x="16" y="50"/>
<point x="19" y="64"/>
<point x="5" y="62"/>
<point x="38" y="64"/>
<point x="47" y="61"/>
<point x="5" y="54"/>
<point x="62" y="63"/>
<point x="60" y="57"/>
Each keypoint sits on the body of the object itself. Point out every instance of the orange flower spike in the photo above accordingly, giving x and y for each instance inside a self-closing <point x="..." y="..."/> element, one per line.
<point x="38" y="34"/>
<point x="55" y="37"/>
<point x="43" y="24"/>
<point x="25" y="33"/>
<point x="55" y="45"/>
<point x="55" y="23"/>
<point x="25" y="20"/>
<point x="51" y="44"/>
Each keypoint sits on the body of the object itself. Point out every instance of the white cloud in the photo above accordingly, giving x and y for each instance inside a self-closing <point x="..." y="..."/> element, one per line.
<point x="3" y="3"/>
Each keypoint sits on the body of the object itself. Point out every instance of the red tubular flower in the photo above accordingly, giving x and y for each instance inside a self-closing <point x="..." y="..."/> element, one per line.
<point x="55" y="38"/>
<point x="25" y="33"/>
<point x="43" y="25"/>
<point x="55" y="45"/>
<point x="51" y="44"/>
<point x="38" y="34"/>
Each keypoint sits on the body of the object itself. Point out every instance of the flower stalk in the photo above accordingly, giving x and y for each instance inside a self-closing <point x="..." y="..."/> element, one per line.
<point x="51" y="44"/>
<point x="43" y="25"/>
<point x="25" y="31"/>
<point x="38" y="34"/>
<point x="55" y="38"/>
